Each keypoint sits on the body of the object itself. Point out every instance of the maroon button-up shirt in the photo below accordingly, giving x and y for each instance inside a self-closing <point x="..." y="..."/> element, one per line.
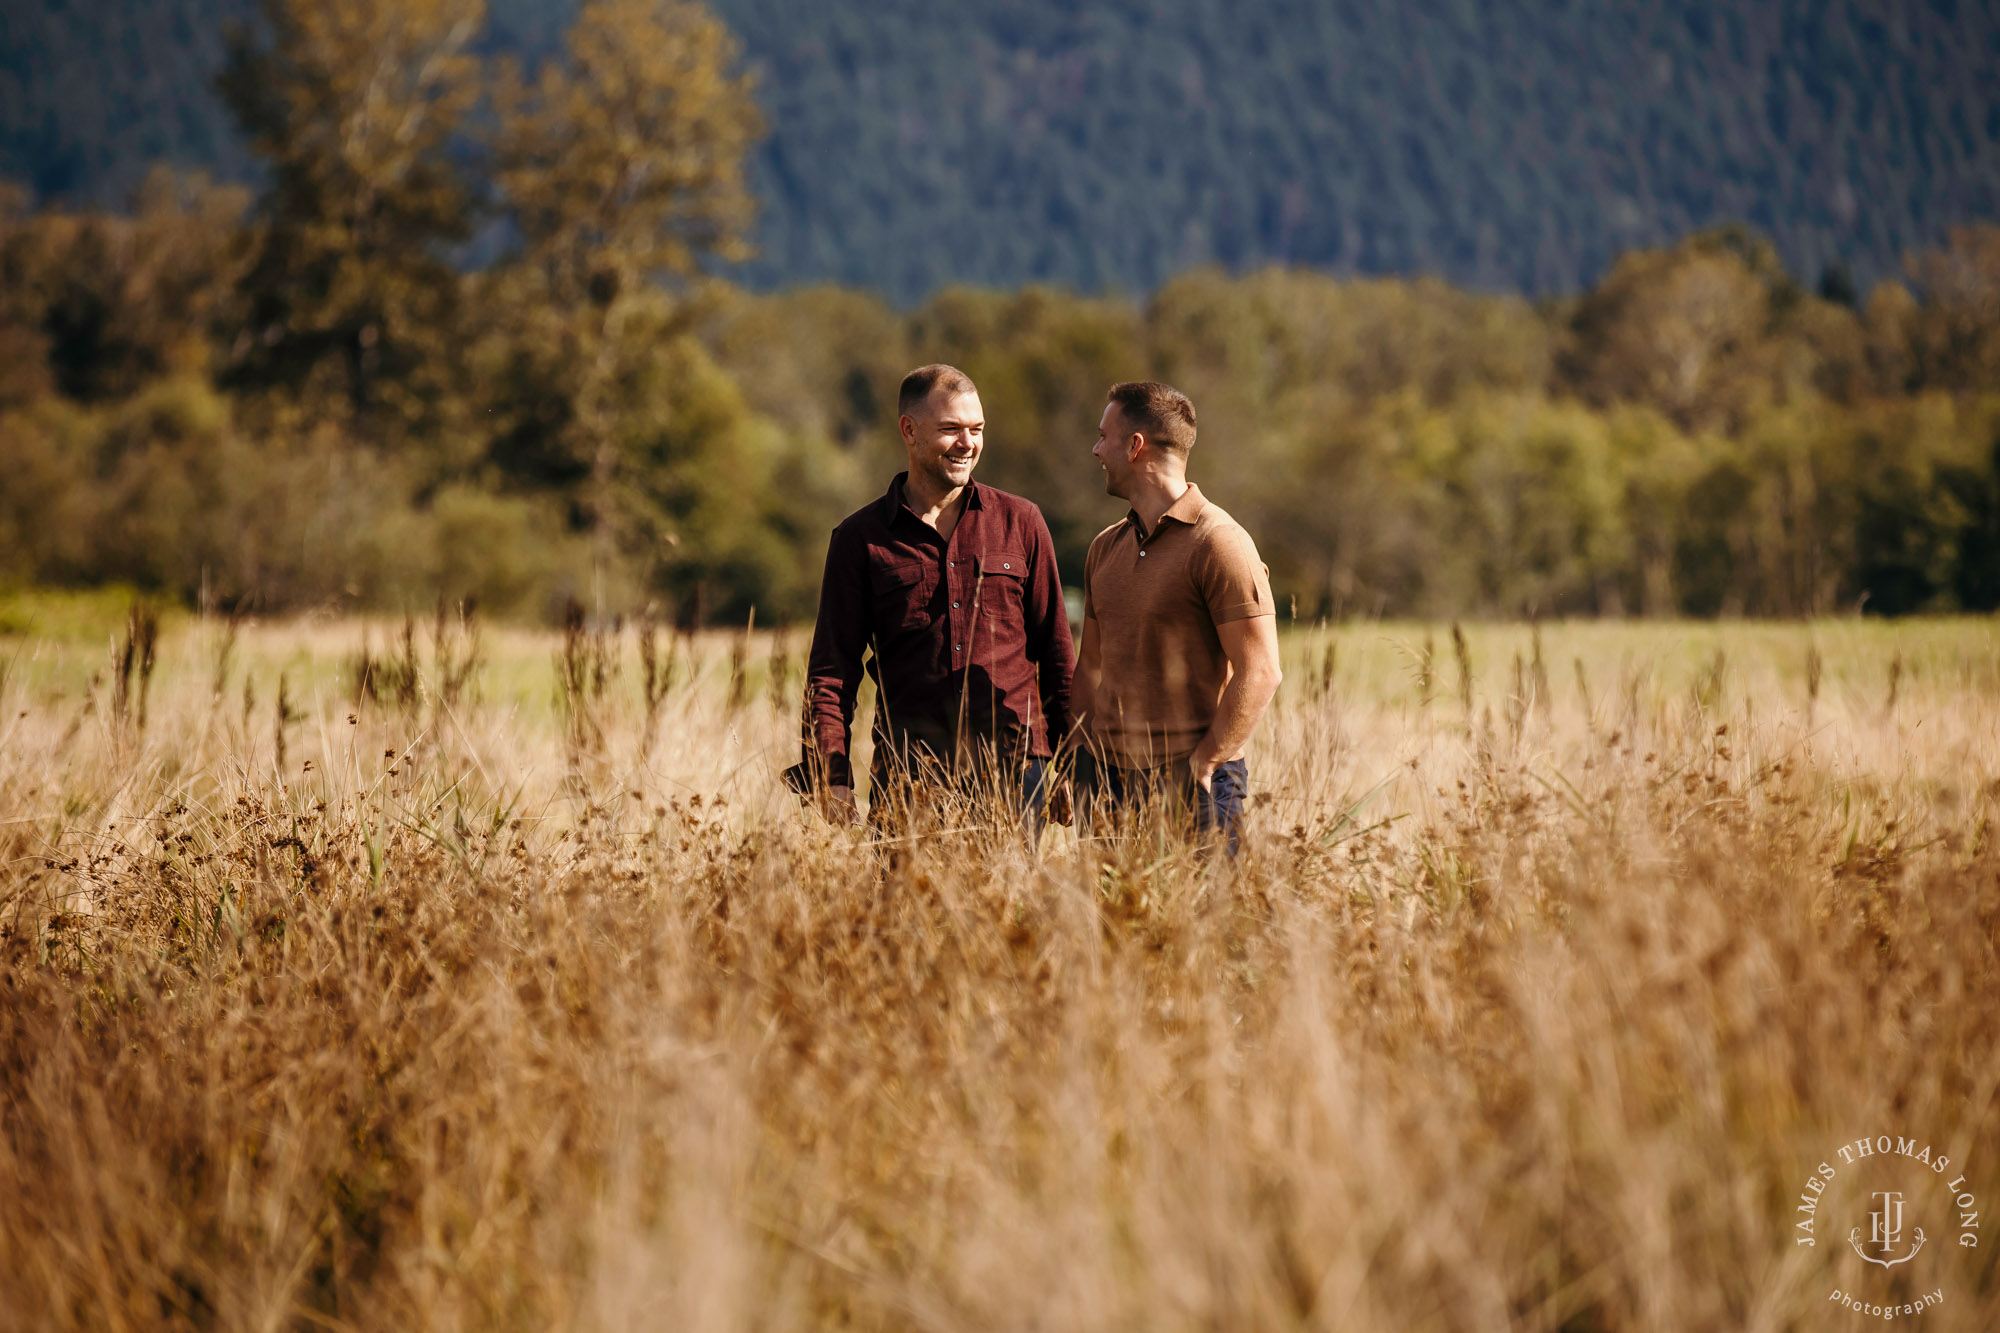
<point x="966" y="640"/>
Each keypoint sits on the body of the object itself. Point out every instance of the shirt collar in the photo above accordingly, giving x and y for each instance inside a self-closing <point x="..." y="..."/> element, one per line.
<point x="1184" y="510"/>
<point x="892" y="500"/>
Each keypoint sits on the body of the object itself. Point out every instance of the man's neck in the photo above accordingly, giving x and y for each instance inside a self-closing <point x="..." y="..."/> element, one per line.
<point x="1154" y="494"/>
<point x="934" y="504"/>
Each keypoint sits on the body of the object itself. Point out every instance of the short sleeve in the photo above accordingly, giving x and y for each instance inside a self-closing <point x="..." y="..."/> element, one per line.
<point x="1231" y="579"/>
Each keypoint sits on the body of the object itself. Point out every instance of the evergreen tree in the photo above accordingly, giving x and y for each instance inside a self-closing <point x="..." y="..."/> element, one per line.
<point x="354" y="106"/>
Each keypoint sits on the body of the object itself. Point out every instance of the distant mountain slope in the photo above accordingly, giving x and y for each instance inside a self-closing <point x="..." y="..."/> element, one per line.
<point x="91" y="91"/>
<point x="1502" y="143"/>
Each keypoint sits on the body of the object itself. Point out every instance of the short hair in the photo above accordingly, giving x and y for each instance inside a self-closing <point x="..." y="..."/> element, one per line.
<point x="1159" y="411"/>
<point x="920" y="383"/>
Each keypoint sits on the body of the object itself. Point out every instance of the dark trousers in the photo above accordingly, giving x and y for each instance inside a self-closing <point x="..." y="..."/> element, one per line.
<point x="1107" y="791"/>
<point x="896" y="789"/>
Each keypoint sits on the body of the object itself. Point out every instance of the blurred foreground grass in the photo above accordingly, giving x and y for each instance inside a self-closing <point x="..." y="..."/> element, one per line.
<point x="490" y="987"/>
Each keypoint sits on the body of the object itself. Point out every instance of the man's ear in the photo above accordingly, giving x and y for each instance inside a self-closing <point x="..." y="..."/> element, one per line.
<point x="907" y="427"/>
<point x="1135" y="445"/>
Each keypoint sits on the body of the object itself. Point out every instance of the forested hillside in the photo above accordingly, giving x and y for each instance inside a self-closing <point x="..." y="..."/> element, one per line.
<point x="1502" y="144"/>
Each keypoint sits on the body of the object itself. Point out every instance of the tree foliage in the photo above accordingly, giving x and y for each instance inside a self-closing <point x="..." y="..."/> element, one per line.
<point x="353" y="107"/>
<point x="620" y="170"/>
<point x="469" y="339"/>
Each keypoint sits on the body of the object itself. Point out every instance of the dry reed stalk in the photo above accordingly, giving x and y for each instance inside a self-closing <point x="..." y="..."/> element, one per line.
<point x="224" y="657"/>
<point x="739" y="664"/>
<point x="1538" y="671"/>
<point x="1520" y="703"/>
<point x="134" y="653"/>
<point x="587" y="662"/>
<point x="1463" y="654"/>
<point x="657" y="678"/>
<point x="1589" y="709"/>
<point x="457" y="650"/>
<point x="778" y="672"/>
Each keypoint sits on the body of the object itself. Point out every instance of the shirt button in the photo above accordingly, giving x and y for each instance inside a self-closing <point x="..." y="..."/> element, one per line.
<point x="954" y="606"/>
<point x="1142" y="555"/>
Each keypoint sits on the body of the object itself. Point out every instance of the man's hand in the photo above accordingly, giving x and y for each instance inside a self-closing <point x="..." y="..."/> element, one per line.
<point x="1252" y="648"/>
<point x="1062" y="807"/>
<point x="837" y="804"/>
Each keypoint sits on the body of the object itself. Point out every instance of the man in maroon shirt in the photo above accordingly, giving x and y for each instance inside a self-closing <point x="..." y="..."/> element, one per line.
<point x="945" y="593"/>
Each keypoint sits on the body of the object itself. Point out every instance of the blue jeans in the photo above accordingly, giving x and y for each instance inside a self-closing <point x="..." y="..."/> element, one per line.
<point x="1115" y="792"/>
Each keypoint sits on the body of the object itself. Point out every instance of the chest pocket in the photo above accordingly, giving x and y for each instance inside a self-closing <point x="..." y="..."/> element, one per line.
<point x="899" y="594"/>
<point x="1003" y="579"/>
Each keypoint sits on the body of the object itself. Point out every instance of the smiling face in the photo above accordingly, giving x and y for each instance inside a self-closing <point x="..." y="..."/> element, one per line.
<point x="944" y="437"/>
<point x="1113" y="451"/>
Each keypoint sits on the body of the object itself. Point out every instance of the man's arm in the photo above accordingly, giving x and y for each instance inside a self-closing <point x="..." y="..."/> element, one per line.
<point x="833" y="668"/>
<point x="1089" y="665"/>
<point x="1089" y="670"/>
<point x="1049" y="646"/>
<point x="1251" y="644"/>
<point x="1082" y="690"/>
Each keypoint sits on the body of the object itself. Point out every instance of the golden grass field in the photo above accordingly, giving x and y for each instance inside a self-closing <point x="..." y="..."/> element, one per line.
<point x="1537" y="996"/>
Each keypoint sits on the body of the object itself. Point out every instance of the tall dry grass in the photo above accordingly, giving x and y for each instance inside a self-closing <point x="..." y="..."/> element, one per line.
<point x="1554" y="964"/>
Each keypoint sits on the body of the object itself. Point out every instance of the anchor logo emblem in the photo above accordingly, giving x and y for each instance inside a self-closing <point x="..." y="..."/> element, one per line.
<point x="1885" y="1231"/>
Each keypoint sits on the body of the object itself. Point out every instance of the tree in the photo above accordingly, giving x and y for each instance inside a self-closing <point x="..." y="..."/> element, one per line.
<point x="95" y="305"/>
<point x="355" y="107"/>
<point x="622" y="171"/>
<point x="1686" y="330"/>
<point x="1958" y="332"/>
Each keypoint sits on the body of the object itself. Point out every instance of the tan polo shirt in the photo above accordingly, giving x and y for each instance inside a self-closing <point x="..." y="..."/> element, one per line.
<point x="1156" y="599"/>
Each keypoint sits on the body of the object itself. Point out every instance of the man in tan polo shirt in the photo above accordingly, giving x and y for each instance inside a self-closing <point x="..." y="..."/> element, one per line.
<point x="1180" y="633"/>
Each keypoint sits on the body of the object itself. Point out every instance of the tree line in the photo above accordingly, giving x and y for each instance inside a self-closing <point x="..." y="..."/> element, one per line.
<point x="467" y="337"/>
